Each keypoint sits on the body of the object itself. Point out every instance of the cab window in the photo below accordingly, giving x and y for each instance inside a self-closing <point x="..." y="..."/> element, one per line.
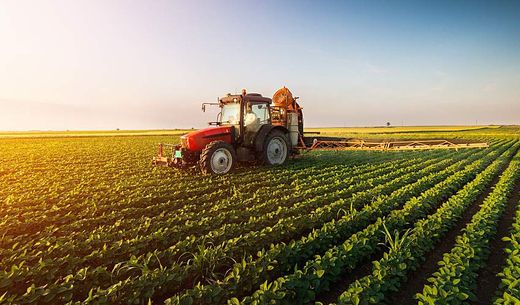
<point x="255" y="116"/>
<point x="262" y="113"/>
<point x="230" y="114"/>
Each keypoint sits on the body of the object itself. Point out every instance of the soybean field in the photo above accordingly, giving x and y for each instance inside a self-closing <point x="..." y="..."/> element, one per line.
<point x="86" y="219"/>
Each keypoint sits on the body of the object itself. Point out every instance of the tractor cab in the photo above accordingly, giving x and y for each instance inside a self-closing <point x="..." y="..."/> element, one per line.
<point x="246" y="113"/>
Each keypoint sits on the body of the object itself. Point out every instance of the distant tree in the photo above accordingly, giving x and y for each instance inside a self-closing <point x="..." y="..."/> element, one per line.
<point x="117" y="129"/>
<point x="387" y="124"/>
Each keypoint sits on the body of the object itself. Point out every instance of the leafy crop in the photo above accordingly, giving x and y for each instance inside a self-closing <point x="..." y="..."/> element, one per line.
<point x="88" y="220"/>
<point x="455" y="280"/>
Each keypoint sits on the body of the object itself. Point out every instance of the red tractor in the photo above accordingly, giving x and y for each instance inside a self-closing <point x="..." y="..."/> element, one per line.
<point x="249" y="128"/>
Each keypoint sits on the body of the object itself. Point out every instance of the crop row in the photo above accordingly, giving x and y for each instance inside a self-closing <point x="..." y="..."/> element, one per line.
<point x="139" y="208"/>
<point x="455" y="280"/>
<point x="109" y="197"/>
<point x="509" y="289"/>
<point x="136" y="182"/>
<point x="21" y="273"/>
<point x="317" y="274"/>
<point x="85" y="254"/>
<point x="234" y="248"/>
<point x="59" y="246"/>
<point x="407" y="252"/>
<point x="282" y="258"/>
<point x="98" y="275"/>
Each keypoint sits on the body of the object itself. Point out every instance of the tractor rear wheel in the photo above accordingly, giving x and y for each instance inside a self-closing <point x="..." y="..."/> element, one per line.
<point x="217" y="157"/>
<point x="276" y="148"/>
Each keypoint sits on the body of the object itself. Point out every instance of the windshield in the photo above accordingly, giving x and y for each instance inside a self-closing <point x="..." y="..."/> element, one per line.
<point x="230" y="114"/>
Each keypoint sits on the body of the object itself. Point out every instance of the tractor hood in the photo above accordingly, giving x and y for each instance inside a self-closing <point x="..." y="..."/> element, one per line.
<point x="198" y="139"/>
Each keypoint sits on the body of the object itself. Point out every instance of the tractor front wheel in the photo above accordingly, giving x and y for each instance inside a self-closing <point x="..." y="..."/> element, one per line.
<point x="276" y="148"/>
<point x="217" y="157"/>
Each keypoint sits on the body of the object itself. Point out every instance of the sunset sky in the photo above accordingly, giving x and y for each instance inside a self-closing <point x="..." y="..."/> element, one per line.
<point x="149" y="64"/>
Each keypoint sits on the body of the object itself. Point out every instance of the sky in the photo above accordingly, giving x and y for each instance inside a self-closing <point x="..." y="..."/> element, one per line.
<point x="103" y="64"/>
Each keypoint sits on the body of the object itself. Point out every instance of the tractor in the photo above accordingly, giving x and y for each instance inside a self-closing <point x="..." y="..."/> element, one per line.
<point x="249" y="128"/>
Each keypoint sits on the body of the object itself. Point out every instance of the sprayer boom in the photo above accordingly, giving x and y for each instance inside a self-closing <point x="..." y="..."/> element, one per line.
<point x="355" y="144"/>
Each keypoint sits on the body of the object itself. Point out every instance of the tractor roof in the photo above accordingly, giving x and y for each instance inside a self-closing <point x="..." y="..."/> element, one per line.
<point x="250" y="97"/>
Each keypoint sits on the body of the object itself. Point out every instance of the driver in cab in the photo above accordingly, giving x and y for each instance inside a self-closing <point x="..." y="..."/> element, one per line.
<point x="251" y="120"/>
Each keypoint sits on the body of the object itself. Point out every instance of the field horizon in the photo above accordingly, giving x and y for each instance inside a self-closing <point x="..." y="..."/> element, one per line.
<point x="175" y="131"/>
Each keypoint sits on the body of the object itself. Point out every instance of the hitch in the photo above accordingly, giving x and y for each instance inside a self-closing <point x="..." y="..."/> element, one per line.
<point x="161" y="159"/>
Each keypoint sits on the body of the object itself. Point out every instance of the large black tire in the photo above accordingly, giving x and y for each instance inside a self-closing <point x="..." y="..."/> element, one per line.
<point x="275" y="149"/>
<point x="218" y="157"/>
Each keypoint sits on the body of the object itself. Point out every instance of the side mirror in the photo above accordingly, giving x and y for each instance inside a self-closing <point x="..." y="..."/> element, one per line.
<point x="204" y="105"/>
